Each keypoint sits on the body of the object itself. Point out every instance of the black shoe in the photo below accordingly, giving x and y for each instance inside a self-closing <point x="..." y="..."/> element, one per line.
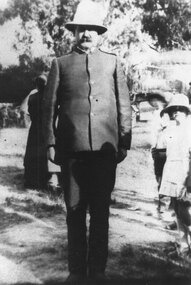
<point x="98" y="278"/>
<point x="30" y="185"/>
<point x="76" y="279"/>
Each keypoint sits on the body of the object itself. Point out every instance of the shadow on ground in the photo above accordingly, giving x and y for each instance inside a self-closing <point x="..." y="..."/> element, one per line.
<point x="148" y="263"/>
<point x="127" y="281"/>
<point x="12" y="176"/>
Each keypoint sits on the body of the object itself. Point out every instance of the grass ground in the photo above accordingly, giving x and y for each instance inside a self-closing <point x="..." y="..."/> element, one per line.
<point x="33" y="239"/>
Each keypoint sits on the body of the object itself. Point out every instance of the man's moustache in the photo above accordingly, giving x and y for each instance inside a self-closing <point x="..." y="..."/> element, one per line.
<point x="85" y="39"/>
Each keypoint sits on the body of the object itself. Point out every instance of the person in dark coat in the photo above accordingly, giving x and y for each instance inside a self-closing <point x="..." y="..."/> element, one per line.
<point x="87" y="95"/>
<point x="35" y="160"/>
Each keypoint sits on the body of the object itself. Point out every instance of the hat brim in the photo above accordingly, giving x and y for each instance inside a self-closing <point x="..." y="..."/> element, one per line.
<point x="171" y="109"/>
<point x="160" y="97"/>
<point x="163" y="96"/>
<point x="71" y="26"/>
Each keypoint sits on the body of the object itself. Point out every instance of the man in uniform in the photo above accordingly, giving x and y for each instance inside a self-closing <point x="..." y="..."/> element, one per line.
<point x="87" y="93"/>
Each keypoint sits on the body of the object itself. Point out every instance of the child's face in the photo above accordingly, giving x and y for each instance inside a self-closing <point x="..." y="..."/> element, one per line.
<point x="179" y="116"/>
<point x="157" y="104"/>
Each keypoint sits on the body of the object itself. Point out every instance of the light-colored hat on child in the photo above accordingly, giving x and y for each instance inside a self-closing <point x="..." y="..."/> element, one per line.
<point x="177" y="100"/>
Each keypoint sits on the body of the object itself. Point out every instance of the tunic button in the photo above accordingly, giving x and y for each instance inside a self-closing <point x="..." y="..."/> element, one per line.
<point x="91" y="97"/>
<point x="92" y="82"/>
<point x="92" y="114"/>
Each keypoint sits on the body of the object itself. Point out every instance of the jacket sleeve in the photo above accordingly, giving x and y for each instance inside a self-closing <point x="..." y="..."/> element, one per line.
<point x="50" y="104"/>
<point x="123" y="108"/>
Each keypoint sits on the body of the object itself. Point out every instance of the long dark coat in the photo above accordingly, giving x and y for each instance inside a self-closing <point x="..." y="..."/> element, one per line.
<point x="35" y="160"/>
<point x="89" y="96"/>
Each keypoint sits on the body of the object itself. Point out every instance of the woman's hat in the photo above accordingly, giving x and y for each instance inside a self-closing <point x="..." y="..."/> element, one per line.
<point x="40" y="80"/>
<point x="88" y="14"/>
<point x="177" y="100"/>
<point x="159" y="95"/>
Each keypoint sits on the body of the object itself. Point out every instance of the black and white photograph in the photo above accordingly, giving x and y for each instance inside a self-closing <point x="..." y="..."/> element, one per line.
<point x="95" y="142"/>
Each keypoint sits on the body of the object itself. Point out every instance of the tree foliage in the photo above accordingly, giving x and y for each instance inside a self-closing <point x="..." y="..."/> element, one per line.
<point x="17" y="81"/>
<point x="168" y="22"/>
<point x="49" y="16"/>
<point x="124" y="24"/>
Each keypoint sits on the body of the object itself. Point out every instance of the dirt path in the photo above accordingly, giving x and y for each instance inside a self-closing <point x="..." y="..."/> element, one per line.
<point x="33" y="240"/>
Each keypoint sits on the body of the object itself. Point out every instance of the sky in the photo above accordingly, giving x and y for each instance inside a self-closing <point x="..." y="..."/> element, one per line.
<point x="8" y="56"/>
<point x="3" y="4"/>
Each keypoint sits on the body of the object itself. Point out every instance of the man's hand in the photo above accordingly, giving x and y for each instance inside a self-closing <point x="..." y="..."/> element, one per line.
<point x="51" y="153"/>
<point x="121" y="155"/>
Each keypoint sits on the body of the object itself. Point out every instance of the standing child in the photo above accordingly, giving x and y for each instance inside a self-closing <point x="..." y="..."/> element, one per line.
<point x="158" y="130"/>
<point x="176" y="170"/>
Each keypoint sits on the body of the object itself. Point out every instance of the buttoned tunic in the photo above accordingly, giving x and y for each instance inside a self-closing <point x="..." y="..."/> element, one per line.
<point x="87" y="96"/>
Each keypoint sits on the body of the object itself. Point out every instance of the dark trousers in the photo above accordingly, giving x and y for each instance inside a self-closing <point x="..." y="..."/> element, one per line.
<point x="159" y="163"/>
<point x="88" y="180"/>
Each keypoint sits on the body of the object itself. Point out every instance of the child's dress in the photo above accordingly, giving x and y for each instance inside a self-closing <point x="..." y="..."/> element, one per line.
<point x="175" y="181"/>
<point x="176" y="168"/>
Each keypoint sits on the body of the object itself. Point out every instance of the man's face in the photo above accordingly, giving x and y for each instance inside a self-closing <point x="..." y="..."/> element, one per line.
<point x="86" y="37"/>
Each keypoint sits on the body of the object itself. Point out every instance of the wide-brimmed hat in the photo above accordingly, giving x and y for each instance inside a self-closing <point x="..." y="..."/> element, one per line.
<point x="159" y="95"/>
<point x="88" y="14"/>
<point x="177" y="100"/>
